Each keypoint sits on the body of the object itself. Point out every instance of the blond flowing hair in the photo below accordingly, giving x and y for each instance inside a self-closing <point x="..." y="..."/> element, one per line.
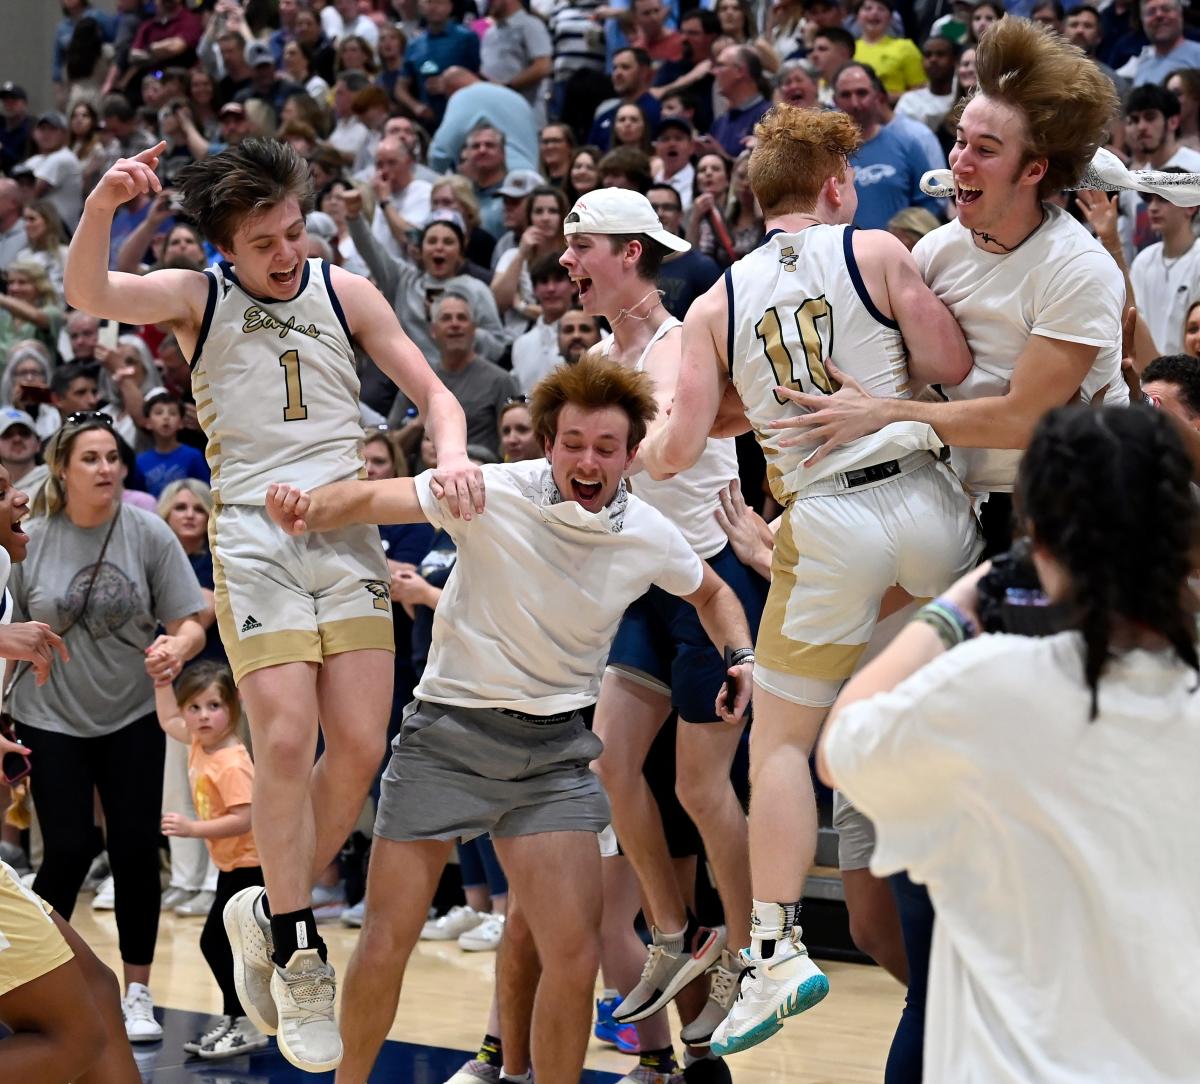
<point x="1066" y="101"/>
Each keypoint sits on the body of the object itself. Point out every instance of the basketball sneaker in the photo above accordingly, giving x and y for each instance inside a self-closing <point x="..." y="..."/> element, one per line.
<point x="308" y="1033"/>
<point x="485" y="937"/>
<point x="250" y="940"/>
<point x="476" y="1072"/>
<point x="452" y="925"/>
<point x="666" y="973"/>
<point x="137" y="1008"/>
<point x="722" y="989"/>
<point x="209" y="1035"/>
<point x="242" y="1037"/>
<point x="769" y="991"/>
<point x="623" y="1036"/>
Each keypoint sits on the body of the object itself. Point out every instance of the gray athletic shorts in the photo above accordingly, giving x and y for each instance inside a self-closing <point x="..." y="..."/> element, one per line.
<point x="856" y="834"/>
<point x="457" y="773"/>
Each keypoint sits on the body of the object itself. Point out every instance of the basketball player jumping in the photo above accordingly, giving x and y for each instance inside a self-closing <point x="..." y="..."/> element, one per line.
<point x="883" y="511"/>
<point x="306" y="622"/>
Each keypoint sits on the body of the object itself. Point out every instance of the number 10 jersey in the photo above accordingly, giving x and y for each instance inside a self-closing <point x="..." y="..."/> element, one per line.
<point x="795" y="301"/>
<point x="276" y="387"/>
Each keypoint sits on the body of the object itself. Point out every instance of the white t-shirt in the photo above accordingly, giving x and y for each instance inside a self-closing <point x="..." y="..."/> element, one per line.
<point x="1060" y="855"/>
<point x="535" y="354"/>
<point x="1059" y="284"/>
<point x="413" y="205"/>
<point x="61" y="170"/>
<point x="529" y="613"/>
<point x="1165" y="289"/>
<point x="925" y="106"/>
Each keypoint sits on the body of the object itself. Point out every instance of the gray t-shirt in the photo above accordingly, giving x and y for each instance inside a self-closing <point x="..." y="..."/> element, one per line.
<point x="510" y="46"/>
<point x="145" y="581"/>
<point x="481" y="389"/>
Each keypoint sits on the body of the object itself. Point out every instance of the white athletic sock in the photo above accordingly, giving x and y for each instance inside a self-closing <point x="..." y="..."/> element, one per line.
<point x="672" y="942"/>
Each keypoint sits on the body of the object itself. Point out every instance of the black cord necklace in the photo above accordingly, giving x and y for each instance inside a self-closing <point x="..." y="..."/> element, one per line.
<point x="988" y="239"/>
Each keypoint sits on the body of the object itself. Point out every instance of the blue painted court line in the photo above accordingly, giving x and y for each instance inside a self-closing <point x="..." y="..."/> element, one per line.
<point x="398" y="1063"/>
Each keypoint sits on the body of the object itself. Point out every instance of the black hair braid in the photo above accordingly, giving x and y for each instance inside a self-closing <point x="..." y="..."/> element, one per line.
<point x="1166" y="521"/>
<point x="1108" y="495"/>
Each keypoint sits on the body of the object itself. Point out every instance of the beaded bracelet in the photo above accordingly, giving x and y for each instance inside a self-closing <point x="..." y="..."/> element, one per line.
<point x="950" y="623"/>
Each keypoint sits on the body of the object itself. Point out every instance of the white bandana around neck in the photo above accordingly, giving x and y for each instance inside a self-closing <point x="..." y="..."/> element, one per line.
<point x="610" y="519"/>
<point x="1107" y="173"/>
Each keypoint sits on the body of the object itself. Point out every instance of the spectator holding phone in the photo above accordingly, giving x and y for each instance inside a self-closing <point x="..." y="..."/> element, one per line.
<point x="106" y="575"/>
<point x="25" y="385"/>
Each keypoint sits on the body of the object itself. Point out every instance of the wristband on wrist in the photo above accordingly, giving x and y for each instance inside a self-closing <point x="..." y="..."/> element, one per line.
<point x="948" y="621"/>
<point x="741" y="655"/>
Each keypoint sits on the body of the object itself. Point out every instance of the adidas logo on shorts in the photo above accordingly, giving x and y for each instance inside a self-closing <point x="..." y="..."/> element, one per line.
<point x="250" y="625"/>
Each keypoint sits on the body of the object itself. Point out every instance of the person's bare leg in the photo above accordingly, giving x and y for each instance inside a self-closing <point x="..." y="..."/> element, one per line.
<point x="478" y="898"/>
<point x="354" y="699"/>
<point x="556" y="876"/>
<point x="518" y="971"/>
<point x="875" y="922"/>
<point x="781" y="792"/>
<point x="704" y="754"/>
<point x="401" y="883"/>
<point x="135" y="973"/>
<point x="628" y="716"/>
<point x="281" y="704"/>
<point x="68" y="1024"/>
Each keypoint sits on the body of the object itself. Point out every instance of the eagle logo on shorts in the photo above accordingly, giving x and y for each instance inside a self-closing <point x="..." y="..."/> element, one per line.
<point x="789" y="258"/>
<point x="380" y="593"/>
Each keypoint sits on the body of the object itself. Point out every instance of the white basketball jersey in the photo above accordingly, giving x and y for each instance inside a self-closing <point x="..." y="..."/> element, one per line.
<point x="795" y="301"/>
<point x="276" y="387"/>
<point x="690" y="499"/>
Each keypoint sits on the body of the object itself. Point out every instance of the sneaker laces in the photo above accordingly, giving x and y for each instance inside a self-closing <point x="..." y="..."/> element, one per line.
<point x="653" y="955"/>
<point x="722" y="983"/>
<point x="747" y="975"/>
<point x="311" y="990"/>
<point x="222" y="1027"/>
<point x="139" y="1007"/>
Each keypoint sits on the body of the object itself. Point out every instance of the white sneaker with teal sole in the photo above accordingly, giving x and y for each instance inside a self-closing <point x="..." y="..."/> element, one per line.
<point x="770" y="991"/>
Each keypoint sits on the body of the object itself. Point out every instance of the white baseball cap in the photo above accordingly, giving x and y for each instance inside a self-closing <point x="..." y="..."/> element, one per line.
<point x="619" y="210"/>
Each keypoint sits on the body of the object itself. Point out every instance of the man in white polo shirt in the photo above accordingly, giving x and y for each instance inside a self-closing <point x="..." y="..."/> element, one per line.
<point x="494" y="741"/>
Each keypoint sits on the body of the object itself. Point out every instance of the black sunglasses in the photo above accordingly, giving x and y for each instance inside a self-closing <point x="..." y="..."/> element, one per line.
<point x="82" y="417"/>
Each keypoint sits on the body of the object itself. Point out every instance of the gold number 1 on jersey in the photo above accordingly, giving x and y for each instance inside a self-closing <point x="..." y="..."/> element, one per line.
<point x="770" y="330"/>
<point x="294" y="410"/>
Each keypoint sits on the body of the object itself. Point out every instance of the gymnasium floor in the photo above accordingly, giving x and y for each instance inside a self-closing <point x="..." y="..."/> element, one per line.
<point x="444" y="1007"/>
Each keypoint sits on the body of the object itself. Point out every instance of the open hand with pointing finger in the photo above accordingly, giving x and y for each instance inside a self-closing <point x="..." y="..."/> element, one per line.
<point x="127" y="178"/>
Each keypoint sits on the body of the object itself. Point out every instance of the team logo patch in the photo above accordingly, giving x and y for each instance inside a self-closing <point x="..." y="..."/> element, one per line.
<point x="788" y="257"/>
<point x="380" y="593"/>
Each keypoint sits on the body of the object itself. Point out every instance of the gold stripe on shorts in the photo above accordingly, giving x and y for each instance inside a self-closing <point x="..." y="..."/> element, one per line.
<point x="357" y="634"/>
<point x="774" y="649"/>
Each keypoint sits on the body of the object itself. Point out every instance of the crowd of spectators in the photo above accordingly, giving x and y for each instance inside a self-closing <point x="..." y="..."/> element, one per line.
<point x="448" y="141"/>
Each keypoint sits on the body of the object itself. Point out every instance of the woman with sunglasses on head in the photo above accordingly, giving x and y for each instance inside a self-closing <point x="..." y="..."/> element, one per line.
<point x="105" y="575"/>
<point x="56" y="998"/>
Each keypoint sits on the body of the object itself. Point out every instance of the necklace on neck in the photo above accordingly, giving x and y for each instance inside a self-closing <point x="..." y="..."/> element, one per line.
<point x="629" y="314"/>
<point x="988" y="239"/>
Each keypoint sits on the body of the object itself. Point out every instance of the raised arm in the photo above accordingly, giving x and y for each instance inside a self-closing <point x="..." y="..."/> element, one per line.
<point x="170" y="718"/>
<point x="342" y="504"/>
<point x="384" y="267"/>
<point x="373" y="323"/>
<point x="162" y="297"/>
<point x="703" y="379"/>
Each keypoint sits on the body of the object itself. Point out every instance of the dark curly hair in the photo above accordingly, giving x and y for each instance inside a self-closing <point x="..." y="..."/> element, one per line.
<point x="1107" y="493"/>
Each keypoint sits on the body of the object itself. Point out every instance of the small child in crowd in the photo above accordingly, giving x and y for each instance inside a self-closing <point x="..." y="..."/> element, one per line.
<point x="203" y="711"/>
<point x="168" y="461"/>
